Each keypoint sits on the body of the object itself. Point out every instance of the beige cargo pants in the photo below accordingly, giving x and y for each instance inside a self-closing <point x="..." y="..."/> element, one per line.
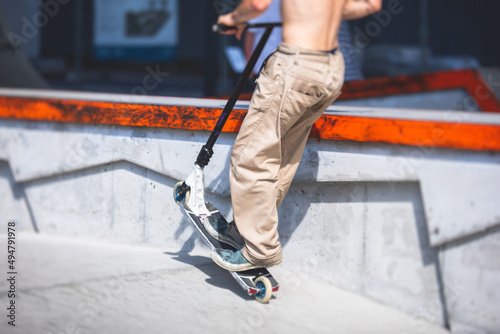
<point x="293" y="89"/>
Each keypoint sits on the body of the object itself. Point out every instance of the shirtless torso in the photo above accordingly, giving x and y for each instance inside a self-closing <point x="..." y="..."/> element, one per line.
<point x="309" y="24"/>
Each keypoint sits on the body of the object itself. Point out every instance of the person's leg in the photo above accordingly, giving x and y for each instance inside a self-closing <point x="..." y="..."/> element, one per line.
<point x="295" y="131"/>
<point x="255" y="163"/>
<point x="293" y="144"/>
<point x="257" y="156"/>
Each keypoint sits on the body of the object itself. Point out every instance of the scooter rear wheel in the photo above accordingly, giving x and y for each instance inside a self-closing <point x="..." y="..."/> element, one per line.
<point x="265" y="289"/>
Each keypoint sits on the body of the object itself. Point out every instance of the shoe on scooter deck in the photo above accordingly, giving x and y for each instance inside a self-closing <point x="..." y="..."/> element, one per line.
<point x="256" y="282"/>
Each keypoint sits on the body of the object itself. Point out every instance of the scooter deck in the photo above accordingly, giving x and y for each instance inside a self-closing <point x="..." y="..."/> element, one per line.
<point x="246" y="279"/>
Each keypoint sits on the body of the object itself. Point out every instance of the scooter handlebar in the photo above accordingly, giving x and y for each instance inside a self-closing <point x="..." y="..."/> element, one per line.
<point x="221" y="28"/>
<point x="218" y="28"/>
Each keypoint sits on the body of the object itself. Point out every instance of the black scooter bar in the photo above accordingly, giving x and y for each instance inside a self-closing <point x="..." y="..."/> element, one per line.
<point x="207" y="150"/>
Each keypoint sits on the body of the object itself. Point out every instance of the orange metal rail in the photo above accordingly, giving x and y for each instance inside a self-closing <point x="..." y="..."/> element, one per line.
<point x="421" y="133"/>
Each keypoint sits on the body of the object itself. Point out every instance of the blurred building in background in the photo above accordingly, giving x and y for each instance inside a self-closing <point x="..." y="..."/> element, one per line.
<point x="110" y="46"/>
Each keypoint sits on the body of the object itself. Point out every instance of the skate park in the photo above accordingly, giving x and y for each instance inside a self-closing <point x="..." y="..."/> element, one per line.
<point x="391" y="224"/>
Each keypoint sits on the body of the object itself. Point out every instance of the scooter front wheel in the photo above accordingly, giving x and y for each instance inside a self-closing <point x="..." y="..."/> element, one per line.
<point x="181" y="192"/>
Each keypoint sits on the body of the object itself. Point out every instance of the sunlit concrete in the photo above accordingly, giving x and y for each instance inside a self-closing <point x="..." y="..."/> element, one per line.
<point x="76" y="286"/>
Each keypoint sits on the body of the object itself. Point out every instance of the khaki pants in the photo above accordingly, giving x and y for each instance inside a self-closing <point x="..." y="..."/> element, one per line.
<point x="294" y="88"/>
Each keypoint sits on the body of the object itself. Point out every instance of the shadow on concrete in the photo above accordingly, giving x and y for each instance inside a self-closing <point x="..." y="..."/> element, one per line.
<point x="306" y="194"/>
<point x="217" y="276"/>
<point x="312" y="161"/>
<point x="18" y="192"/>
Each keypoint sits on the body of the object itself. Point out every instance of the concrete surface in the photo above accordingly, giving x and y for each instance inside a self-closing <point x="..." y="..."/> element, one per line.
<point x="76" y="286"/>
<point x="408" y="227"/>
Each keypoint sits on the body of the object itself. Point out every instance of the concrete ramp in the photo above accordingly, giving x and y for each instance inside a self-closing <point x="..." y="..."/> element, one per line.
<point x="398" y="206"/>
<point x="73" y="286"/>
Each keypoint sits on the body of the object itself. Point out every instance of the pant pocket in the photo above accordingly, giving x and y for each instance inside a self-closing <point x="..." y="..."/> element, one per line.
<point x="317" y="110"/>
<point x="263" y="94"/>
<point x="262" y="98"/>
<point x="296" y="104"/>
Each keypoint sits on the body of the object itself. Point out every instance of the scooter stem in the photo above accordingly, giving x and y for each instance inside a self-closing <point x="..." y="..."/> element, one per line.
<point x="206" y="151"/>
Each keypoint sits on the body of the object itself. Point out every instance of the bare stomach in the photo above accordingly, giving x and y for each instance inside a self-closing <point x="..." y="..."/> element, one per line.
<point x="312" y="26"/>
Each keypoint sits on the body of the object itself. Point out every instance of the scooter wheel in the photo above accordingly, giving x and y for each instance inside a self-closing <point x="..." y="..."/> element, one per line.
<point x="265" y="289"/>
<point x="181" y="192"/>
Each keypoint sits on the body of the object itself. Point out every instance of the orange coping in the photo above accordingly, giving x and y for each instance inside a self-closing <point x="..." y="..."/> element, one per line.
<point x="420" y="133"/>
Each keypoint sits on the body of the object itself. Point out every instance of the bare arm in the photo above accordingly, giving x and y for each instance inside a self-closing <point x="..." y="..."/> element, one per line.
<point x="247" y="10"/>
<point x="356" y="9"/>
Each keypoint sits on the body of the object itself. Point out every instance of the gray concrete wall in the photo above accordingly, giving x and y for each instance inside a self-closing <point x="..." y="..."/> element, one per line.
<point x="413" y="228"/>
